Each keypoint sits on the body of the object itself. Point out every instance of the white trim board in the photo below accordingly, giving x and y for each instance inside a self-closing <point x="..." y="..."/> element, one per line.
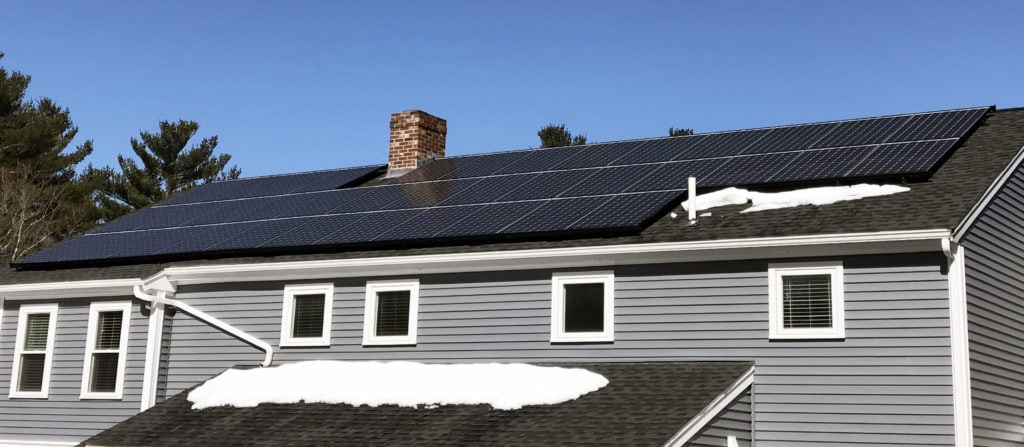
<point x="69" y="289"/>
<point x="993" y="189"/>
<point x="550" y="258"/>
<point x="34" y="443"/>
<point x="719" y="404"/>
<point x="963" y="419"/>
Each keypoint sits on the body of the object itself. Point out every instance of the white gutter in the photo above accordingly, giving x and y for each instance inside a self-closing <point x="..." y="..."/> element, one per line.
<point x="211" y="320"/>
<point x="69" y="289"/>
<point x="604" y="255"/>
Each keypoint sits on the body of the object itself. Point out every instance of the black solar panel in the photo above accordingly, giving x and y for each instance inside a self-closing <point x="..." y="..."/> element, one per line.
<point x="618" y="186"/>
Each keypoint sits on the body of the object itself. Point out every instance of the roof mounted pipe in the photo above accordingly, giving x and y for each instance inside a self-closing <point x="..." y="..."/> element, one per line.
<point x="691" y="189"/>
<point x="212" y="321"/>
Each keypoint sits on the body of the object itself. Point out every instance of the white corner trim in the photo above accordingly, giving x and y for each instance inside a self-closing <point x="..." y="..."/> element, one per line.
<point x="990" y="193"/>
<point x="370" y="337"/>
<point x="719" y="404"/>
<point x="776" y="313"/>
<point x="963" y="423"/>
<point x="19" y="346"/>
<point x="558" y="283"/>
<point x="646" y="253"/>
<point x="288" y="314"/>
<point x="35" y="443"/>
<point x="69" y="289"/>
<point x="154" y="340"/>
<point x="125" y="307"/>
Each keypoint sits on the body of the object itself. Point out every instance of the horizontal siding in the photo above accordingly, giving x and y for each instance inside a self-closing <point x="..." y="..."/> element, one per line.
<point x="887" y="384"/>
<point x="63" y="416"/>
<point x="734" y="421"/>
<point x="995" y="310"/>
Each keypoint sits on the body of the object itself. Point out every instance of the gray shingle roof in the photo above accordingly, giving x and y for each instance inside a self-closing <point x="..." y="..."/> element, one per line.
<point x="940" y="202"/>
<point x="644" y="404"/>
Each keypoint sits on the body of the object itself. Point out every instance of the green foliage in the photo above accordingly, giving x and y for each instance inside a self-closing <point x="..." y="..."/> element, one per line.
<point x="556" y="135"/>
<point x="43" y="198"/>
<point x="166" y="168"/>
<point x="673" y="132"/>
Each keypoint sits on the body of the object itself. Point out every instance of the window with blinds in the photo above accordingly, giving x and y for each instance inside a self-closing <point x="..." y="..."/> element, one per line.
<point x="391" y="312"/>
<point x="806" y="301"/>
<point x="33" y="354"/>
<point x="106" y="348"/>
<point x="306" y="315"/>
<point x="33" y="351"/>
<point x="582" y="307"/>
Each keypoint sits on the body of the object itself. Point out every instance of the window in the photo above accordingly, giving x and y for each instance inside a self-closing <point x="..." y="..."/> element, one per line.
<point x="307" y="315"/>
<point x="391" y="312"/>
<point x="582" y="307"/>
<point x="806" y="301"/>
<point x="33" y="351"/>
<point x="106" y="347"/>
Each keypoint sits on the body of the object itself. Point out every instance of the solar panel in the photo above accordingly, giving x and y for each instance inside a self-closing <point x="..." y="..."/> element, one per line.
<point x="608" y="187"/>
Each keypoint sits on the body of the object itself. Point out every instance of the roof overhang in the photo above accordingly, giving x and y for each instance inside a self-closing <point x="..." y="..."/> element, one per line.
<point x="571" y="257"/>
<point x="69" y="289"/>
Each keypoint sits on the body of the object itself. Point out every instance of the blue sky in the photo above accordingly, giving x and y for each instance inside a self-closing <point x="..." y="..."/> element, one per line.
<point x="305" y="85"/>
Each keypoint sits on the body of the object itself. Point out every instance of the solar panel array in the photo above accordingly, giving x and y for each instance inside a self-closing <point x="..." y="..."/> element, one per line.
<point x="609" y="187"/>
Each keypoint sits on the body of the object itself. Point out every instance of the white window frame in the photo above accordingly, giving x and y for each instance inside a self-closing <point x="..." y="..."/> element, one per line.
<point x="19" y="349"/>
<point x="370" y="338"/>
<point x="288" y="314"/>
<point x="558" y="282"/>
<point x="776" y="327"/>
<point x="90" y="348"/>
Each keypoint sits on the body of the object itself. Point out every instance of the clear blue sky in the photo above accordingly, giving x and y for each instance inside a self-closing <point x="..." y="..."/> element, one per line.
<point x="305" y="85"/>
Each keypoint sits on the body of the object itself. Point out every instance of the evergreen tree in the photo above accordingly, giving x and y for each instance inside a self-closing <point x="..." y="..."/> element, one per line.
<point x="42" y="199"/>
<point x="673" y="132"/>
<point x="556" y="135"/>
<point x="167" y="168"/>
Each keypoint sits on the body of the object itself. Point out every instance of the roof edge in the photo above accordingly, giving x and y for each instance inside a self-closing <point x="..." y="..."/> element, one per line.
<point x="719" y="404"/>
<point x="961" y="228"/>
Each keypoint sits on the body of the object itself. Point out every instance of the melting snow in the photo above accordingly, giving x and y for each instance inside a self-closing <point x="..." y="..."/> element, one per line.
<point x="761" y="201"/>
<point x="408" y="384"/>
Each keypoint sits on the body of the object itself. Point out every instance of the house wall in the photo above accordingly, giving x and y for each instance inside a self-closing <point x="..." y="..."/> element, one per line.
<point x="887" y="384"/>
<point x="995" y="317"/>
<point x="63" y="416"/>
<point x="734" y="421"/>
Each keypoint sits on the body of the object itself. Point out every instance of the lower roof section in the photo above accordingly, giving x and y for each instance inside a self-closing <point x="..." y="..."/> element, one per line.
<point x="644" y="404"/>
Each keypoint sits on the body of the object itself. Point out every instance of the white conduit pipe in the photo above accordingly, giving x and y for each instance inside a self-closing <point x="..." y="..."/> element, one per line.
<point x="212" y="321"/>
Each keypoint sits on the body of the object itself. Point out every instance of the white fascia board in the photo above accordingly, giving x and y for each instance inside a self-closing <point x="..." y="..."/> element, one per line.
<point x="993" y="189"/>
<point x="69" y="289"/>
<point x="36" y="443"/>
<point x="720" y="403"/>
<point x="604" y="255"/>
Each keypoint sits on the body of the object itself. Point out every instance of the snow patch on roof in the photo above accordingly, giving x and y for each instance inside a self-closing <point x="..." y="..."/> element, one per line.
<point x="504" y="386"/>
<point x="762" y="201"/>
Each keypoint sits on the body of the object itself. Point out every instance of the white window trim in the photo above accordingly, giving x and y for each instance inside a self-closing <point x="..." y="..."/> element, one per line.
<point x="558" y="281"/>
<point x="288" y="314"/>
<point x="90" y="348"/>
<point x="23" y="314"/>
<point x="370" y="338"/>
<point x="776" y="329"/>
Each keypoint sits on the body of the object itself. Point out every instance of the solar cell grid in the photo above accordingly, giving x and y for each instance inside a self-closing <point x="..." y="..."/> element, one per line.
<point x="932" y="126"/>
<point x="489" y="219"/>
<point x="554" y="215"/>
<point x="861" y="132"/>
<point x="657" y="150"/>
<point x="612" y="180"/>
<point x="750" y="170"/>
<point x="363" y="227"/>
<point x="542" y="160"/>
<point x="428" y="223"/>
<point x="723" y="144"/>
<point x="626" y="210"/>
<point x="547" y="185"/>
<point x="489" y="189"/>
<point x="902" y="158"/>
<point x="823" y="164"/>
<point x="790" y="138"/>
<point x="426" y="194"/>
<point x="674" y="175"/>
<point x="596" y="155"/>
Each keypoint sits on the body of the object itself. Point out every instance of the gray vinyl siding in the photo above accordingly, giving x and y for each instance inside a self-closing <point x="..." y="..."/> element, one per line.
<point x="887" y="384"/>
<point x="734" y="421"/>
<point x="995" y="317"/>
<point x="63" y="416"/>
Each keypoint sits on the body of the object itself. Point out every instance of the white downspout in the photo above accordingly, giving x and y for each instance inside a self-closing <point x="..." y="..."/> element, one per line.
<point x="159" y="302"/>
<point x="963" y="423"/>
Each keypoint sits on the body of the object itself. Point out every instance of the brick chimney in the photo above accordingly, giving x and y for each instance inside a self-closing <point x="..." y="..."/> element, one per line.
<point x="415" y="136"/>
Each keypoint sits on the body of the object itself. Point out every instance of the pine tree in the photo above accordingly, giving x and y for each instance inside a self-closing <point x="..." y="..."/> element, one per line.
<point x="42" y="199"/>
<point x="673" y="132"/>
<point x="167" y="168"/>
<point x="556" y="135"/>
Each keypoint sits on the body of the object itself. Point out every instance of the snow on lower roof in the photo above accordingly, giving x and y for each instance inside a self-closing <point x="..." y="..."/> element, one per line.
<point x="762" y="201"/>
<point x="504" y="386"/>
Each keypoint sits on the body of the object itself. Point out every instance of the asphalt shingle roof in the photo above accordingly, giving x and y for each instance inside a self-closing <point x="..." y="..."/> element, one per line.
<point x="644" y="404"/>
<point x="940" y="202"/>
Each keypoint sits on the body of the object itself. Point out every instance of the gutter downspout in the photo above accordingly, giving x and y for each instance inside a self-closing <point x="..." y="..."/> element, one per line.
<point x="963" y="419"/>
<point x="161" y="298"/>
